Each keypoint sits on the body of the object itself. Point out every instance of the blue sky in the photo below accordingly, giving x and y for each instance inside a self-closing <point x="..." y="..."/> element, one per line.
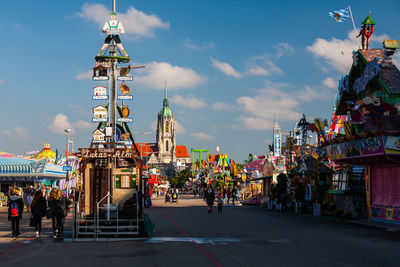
<point x="230" y="67"/>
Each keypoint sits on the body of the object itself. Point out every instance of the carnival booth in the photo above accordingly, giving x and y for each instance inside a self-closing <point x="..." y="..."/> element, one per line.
<point x="23" y="172"/>
<point x="369" y="97"/>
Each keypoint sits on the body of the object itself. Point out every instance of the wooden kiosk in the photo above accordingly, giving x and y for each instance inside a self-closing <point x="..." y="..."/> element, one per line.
<point x="111" y="201"/>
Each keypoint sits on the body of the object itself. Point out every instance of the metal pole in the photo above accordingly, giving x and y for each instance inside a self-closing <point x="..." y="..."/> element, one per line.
<point x="354" y="27"/>
<point x="113" y="5"/>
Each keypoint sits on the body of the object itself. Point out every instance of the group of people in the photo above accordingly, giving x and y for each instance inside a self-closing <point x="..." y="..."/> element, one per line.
<point x="223" y="195"/>
<point x="171" y="195"/>
<point x="55" y="207"/>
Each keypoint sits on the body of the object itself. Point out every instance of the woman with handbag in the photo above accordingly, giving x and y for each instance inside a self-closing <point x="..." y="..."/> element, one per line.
<point x="38" y="210"/>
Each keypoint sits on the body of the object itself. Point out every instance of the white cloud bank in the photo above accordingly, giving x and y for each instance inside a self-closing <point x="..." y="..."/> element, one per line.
<point x="17" y="133"/>
<point x="190" y="101"/>
<point x="222" y="106"/>
<point x="202" y="136"/>
<point x="84" y="76"/>
<point x="225" y="68"/>
<point x="135" y="22"/>
<point x="156" y="73"/>
<point x="263" y="107"/>
<point x="190" y="44"/>
<point x="61" y="122"/>
<point x="335" y="52"/>
<point x="330" y="83"/>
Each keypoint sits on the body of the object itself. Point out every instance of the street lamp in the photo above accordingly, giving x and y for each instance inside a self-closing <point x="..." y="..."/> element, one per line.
<point x="68" y="131"/>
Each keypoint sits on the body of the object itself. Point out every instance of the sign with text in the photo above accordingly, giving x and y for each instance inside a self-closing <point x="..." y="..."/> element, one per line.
<point x="125" y="78"/>
<point x="99" y="153"/>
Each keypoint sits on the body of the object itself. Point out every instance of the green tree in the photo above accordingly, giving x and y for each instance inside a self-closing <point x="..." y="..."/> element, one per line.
<point x="180" y="178"/>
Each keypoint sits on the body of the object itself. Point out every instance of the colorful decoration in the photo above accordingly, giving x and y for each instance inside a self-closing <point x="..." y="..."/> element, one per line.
<point x="46" y="153"/>
<point x="113" y="28"/>
<point x="100" y="114"/>
<point x="125" y="70"/>
<point x="341" y="14"/>
<point x="124" y="89"/>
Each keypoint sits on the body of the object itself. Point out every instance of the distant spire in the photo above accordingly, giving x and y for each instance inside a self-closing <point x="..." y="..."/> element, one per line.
<point x="165" y="90"/>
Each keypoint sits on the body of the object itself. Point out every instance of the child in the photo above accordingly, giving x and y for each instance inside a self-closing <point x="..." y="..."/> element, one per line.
<point x="220" y="202"/>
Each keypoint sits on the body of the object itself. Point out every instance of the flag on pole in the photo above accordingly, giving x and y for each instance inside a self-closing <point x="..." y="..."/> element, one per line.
<point x="340" y="15"/>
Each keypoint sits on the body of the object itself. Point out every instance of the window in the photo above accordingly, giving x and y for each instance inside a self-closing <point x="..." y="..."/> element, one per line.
<point x="339" y="181"/>
<point x="166" y="145"/>
<point x="125" y="181"/>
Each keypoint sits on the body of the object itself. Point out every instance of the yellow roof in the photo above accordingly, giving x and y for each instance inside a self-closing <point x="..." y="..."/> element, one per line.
<point x="46" y="153"/>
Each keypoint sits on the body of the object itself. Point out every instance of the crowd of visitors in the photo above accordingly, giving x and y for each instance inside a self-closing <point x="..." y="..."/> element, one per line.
<point x="55" y="207"/>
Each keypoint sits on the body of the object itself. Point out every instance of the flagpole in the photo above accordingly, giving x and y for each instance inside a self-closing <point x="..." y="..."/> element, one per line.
<point x="354" y="27"/>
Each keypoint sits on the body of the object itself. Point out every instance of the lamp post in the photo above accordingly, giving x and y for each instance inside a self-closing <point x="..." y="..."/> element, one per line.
<point x="68" y="131"/>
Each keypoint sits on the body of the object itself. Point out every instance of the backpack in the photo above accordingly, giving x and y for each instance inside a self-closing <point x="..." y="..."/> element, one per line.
<point x="14" y="211"/>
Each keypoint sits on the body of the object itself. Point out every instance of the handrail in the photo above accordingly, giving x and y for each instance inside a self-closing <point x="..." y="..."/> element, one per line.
<point x="97" y="217"/>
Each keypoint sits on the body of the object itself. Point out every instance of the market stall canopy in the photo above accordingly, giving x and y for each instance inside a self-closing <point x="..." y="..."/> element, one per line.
<point x="46" y="153"/>
<point x="6" y="155"/>
<point x="18" y="169"/>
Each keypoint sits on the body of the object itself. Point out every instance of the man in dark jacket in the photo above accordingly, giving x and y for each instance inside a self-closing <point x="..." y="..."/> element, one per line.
<point x="15" y="208"/>
<point x="209" y="196"/>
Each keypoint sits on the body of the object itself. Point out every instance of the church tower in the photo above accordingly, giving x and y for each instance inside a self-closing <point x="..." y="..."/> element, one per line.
<point x="166" y="133"/>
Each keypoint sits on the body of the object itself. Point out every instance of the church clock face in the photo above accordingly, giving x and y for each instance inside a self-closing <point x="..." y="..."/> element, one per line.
<point x="166" y="128"/>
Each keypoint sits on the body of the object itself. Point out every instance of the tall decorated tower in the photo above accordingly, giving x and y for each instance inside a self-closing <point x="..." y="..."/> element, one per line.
<point x="166" y="133"/>
<point x="277" y="139"/>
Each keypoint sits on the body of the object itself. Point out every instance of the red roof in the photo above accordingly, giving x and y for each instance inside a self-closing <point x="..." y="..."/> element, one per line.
<point x="146" y="149"/>
<point x="182" y="152"/>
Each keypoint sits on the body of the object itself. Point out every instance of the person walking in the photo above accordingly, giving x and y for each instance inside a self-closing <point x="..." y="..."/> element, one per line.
<point x="224" y="194"/>
<point x="28" y="192"/>
<point x="234" y="193"/>
<point x="38" y="210"/>
<point x="15" y="208"/>
<point x="209" y="196"/>
<point x="220" y="201"/>
<point x="63" y="208"/>
<point x="53" y="200"/>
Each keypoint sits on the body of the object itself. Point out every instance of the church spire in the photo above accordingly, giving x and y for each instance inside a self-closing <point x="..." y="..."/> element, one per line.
<point x="165" y="91"/>
<point x="166" y="111"/>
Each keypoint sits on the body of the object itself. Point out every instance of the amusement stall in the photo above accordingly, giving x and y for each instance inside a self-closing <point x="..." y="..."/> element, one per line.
<point x="369" y="100"/>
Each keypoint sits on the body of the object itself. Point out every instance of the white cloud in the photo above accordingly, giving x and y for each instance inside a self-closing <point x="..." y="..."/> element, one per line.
<point x="179" y="128"/>
<point x="156" y="73"/>
<point x="283" y="49"/>
<point x="378" y="40"/>
<point x="222" y="106"/>
<point x="308" y="94"/>
<point x="190" y="101"/>
<point x="269" y="101"/>
<point x="84" y="76"/>
<point x="262" y="66"/>
<point x="59" y="124"/>
<point x="189" y="44"/>
<point x="253" y="123"/>
<point x="330" y="83"/>
<point x="335" y="52"/>
<point x="202" y="136"/>
<point x="225" y="68"/>
<point x="258" y="71"/>
<point x="81" y="124"/>
<point x="135" y="22"/>
<point x="18" y="133"/>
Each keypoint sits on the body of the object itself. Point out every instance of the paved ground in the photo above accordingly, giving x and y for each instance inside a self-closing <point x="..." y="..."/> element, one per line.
<point x="186" y="235"/>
